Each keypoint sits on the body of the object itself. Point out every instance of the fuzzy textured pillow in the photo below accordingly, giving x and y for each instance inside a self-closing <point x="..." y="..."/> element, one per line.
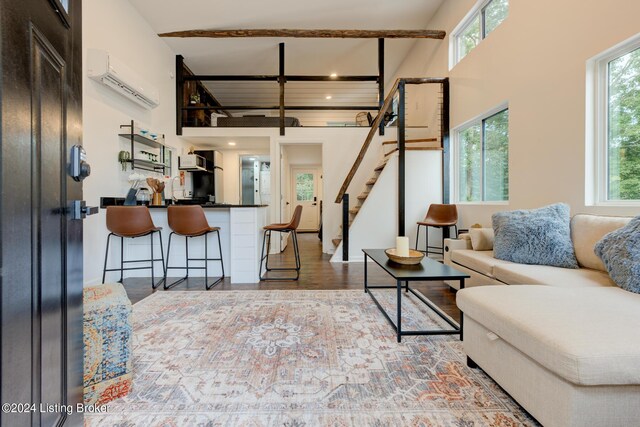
<point x="481" y="239"/>
<point x="620" y="253"/>
<point x="540" y="236"/>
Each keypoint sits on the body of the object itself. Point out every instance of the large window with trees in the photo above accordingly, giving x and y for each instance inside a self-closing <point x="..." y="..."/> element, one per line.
<point x="613" y="132"/>
<point x="477" y="25"/>
<point x="482" y="160"/>
<point x="623" y="127"/>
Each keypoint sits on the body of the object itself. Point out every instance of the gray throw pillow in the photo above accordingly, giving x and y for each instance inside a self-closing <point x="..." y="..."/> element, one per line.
<point x="540" y="236"/>
<point x="620" y="253"/>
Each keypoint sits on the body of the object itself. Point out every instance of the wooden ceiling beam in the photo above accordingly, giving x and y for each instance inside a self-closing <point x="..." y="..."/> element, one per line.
<point x="321" y="34"/>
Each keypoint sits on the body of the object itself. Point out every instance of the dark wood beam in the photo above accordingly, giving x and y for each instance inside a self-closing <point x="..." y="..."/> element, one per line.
<point x="320" y="34"/>
<point x="281" y="82"/>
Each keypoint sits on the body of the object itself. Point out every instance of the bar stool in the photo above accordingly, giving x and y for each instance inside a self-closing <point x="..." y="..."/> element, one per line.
<point x="290" y="227"/>
<point x="190" y="221"/>
<point x="438" y="216"/>
<point x="131" y="222"/>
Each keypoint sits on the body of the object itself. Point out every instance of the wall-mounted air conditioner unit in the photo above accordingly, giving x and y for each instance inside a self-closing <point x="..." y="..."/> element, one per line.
<point x="111" y="72"/>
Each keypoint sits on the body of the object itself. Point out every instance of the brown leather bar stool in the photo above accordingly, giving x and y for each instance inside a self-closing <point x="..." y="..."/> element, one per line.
<point x="190" y="221"/>
<point x="290" y="227"/>
<point x="438" y="216"/>
<point x="131" y="222"/>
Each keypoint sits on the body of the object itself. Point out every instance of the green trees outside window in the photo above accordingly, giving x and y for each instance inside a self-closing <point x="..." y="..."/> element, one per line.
<point x="479" y="25"/>
<point x="623" y="127"/>
<point x="483" y="155"/>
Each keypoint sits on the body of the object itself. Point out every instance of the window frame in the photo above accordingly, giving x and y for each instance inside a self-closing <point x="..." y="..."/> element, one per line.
<point x="476" y="11"/>
<point x="597" y="132"/>
<point x="455" y="158"/>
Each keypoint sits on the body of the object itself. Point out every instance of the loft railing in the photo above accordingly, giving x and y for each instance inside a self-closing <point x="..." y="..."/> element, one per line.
<point x="183" y="75"/>
<point x="398" y="88"/>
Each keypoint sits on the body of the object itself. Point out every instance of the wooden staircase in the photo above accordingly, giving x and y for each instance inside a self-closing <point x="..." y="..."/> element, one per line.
<point x="422" y="144"/>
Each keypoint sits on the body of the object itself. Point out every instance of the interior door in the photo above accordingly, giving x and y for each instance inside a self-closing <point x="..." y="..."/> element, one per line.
<point x="305" y="183"/>
<point x="41" y="251"/>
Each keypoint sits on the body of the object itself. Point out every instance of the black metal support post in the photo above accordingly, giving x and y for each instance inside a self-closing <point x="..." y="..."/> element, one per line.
<point x="446" y="144"/>
<point x="345" y="227"/>
<point x="381" y="80"/>
<point x="281" y="81"/>
<point x="179" y="93"/>
<point x="401" y="157"/>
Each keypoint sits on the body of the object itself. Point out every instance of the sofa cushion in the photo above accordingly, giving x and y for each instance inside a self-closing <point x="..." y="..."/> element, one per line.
<point x="586" y="337"/>
<point x="540" y="236"/>
<point x="587" y="230"/>
<point x="620" y="252"/>
<point x="481" y="261"/>
<point x="481" y="239"/>
<point x="523" y="274"/>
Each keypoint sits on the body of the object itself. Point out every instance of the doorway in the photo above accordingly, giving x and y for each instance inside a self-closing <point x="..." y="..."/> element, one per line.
<point x="301" y="183"/>
<point x="255" y="179"/>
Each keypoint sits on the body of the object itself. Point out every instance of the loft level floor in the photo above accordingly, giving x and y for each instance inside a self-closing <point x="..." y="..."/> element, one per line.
<point x="317" y="274"/>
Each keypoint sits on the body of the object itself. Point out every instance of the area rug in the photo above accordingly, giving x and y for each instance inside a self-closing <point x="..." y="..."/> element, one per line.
<point x="298" y="358"/>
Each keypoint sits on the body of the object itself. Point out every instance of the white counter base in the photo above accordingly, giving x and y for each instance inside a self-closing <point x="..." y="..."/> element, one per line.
<point x="240" y="237"/>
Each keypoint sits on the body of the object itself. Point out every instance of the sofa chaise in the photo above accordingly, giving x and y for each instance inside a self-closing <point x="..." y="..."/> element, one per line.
<point x="565" y="343"/>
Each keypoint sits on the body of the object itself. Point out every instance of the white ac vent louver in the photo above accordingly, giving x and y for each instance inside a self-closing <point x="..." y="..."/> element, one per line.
<point x="113" y="73"/>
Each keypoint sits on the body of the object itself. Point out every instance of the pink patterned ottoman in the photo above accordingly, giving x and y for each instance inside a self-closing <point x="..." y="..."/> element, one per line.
<point x="107" y="343"/>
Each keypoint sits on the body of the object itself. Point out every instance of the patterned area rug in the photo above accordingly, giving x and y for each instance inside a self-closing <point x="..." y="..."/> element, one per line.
<point x="298" y="358"/>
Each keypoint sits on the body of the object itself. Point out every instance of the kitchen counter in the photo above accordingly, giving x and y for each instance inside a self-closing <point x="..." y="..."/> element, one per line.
<point x="119" y="201"/>
<point x="241" y="231"/>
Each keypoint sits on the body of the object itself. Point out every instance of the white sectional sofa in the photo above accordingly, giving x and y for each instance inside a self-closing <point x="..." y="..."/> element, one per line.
<point x="565" y="343"/>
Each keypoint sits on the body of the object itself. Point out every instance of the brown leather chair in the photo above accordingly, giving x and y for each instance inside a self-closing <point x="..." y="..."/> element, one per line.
<point x="190" y="221"/>
<point x="290" y="227"/>
<point x="131" y="222"/>
<point x="438" y="216"/>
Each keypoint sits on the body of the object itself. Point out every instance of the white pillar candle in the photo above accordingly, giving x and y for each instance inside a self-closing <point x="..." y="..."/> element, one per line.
<point x="402" y="246"/>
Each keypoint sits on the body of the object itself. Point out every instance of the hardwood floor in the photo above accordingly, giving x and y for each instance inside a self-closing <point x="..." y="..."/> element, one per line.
<point x="316" y="273"/>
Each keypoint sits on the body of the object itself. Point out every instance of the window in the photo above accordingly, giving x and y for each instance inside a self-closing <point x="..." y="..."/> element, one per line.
<point x="482" y="160"/>
<point x="482" y="20"/>
<point x="304" y="187"/>
<point x="617" y="124"/>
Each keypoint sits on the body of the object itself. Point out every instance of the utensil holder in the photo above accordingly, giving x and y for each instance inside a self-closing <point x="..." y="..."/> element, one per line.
<point x="157" y="199"/>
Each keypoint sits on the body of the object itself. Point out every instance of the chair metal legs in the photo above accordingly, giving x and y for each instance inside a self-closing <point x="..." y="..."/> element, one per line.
<point x="264" y="258"/>
<point x="437" y="250"/>
<point x="206" y="260"/>
<point x="122" y="268"/>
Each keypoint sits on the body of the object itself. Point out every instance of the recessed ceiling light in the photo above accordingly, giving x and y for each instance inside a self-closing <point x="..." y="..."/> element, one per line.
<point x="232" y="143"/>
<point x="328" y="97"/>
<point x="252" y="158"/>
<point x="334" y="75"/>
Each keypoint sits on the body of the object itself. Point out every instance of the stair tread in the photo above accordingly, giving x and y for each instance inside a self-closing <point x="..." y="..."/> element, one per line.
<point x="372" y="181"/>
<point x="336" y="242"/>
<point x="412" y="141"/>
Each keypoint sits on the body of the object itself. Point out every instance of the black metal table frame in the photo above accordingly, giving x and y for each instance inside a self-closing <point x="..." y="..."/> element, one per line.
<point x="457" y="330"/>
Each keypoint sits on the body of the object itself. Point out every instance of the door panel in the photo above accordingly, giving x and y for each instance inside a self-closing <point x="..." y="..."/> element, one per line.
<point x="304" y="191"/>
<point x="41" y="246"/>
<point x="48" y="198"/>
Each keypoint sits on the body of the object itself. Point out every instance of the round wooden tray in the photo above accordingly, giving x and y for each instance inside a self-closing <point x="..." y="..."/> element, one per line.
<point x="415" y="257"/>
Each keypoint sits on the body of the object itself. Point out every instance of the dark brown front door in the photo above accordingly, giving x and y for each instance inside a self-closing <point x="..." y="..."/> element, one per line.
<point x="41" y="244"/>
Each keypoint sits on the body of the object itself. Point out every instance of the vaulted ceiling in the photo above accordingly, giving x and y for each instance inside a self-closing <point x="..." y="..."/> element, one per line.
<point x="302" y="56"/>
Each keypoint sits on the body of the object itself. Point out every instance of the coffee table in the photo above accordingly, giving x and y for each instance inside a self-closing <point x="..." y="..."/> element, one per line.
<point x="427" y="271"/>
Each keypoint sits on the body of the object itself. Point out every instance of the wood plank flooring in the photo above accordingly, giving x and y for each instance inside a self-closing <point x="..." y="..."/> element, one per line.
<point x="317" y="273"/>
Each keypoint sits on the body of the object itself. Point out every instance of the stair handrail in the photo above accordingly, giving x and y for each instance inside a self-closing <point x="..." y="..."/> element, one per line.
<point x="367" y="142"/>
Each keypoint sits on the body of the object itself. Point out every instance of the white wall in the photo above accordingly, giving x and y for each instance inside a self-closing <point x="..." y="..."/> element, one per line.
<point x="376" y="225"/>
<point x="115" y="26"/>
<point x="535" y="60"/>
